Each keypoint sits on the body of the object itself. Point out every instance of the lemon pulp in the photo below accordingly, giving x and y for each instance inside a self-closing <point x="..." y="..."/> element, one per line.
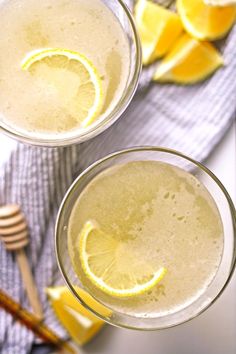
<point x="189" y="61"/>
<point x="158" y="29"/>
<point x="81" y="324"/>
<point x="206" y="22"/>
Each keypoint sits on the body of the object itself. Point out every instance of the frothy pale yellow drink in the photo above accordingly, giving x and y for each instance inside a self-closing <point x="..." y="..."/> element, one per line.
<point x="42" y="101"/>
<point x="151" y="215"/>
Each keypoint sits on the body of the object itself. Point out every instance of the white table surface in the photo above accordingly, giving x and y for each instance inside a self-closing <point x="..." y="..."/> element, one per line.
<point x="214" y="332"/>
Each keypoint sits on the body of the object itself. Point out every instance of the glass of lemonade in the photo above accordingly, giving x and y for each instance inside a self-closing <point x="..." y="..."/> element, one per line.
<point x="68" y="68"/>
<point x="150" y="234"/>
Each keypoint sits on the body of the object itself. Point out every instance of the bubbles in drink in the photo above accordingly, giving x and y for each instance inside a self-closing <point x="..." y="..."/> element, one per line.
<point x="166" y="217"/>
<point x="77" y="25"/>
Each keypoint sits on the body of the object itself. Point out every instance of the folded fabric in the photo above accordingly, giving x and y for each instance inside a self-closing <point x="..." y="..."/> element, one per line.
<point x="190" y="119"/>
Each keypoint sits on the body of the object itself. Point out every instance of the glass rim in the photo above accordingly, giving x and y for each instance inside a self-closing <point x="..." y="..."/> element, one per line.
<point x="108" y="120"/>
<point x="108" y="157"/>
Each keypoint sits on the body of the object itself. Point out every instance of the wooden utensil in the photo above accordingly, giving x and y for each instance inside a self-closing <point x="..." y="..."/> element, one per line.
<point x="14" y="234"/>
<point x="33" y="323"/>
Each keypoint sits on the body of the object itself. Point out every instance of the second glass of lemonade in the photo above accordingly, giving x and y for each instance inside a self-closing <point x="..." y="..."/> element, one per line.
<point x="68" y="68"/>
<point x="150" y="234"/>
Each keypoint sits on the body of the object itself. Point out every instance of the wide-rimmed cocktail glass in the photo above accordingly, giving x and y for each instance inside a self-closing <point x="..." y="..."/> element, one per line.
<point x="108" y="116"/>
<point x="223" y="203"/>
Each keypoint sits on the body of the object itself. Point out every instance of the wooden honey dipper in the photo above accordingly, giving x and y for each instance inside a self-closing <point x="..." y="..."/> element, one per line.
<point x="14" y="234"/>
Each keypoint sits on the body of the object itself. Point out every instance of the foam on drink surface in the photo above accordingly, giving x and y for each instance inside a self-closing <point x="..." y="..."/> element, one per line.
<point x="166" y="217"/>
<point x="88" y="27"/>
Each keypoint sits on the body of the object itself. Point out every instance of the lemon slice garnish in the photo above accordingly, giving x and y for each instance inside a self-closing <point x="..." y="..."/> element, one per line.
<point x="110" y="265"/>
<point x="80" y="323"/>
<point x="72" y="77"/>
<point x="158" y="29"/>
<point x="206" y="22"/>
<point x="188" y="62"/>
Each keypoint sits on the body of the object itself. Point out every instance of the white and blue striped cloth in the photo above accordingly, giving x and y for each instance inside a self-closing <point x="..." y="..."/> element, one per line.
<point x="189" y="119"/>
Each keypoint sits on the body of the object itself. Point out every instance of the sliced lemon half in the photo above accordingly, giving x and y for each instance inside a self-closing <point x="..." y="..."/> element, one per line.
<point x="188" y="62"/>
<point x="110" y="265"/>
<point x="73" y="79"/>
<point x="206" y="22"/>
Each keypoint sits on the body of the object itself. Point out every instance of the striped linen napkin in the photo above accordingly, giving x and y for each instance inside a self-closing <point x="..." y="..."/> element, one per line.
<point x="189" y="119"/>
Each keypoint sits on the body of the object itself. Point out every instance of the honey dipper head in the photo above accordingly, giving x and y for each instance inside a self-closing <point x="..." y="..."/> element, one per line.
<point x="13" y="227"/>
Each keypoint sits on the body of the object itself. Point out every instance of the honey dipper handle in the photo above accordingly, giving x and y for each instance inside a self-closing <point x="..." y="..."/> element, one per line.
<point x="29" y="283"/>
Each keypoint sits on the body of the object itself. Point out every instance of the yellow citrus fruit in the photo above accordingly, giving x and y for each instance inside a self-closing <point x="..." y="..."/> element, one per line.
<point x="81" y="324"/>
<point x="206" y="22"/>
<point x="72" y="77"/>
<point x="188" y="62"/>
<point x="158" y="29"/>
<point x="110" y="265"/>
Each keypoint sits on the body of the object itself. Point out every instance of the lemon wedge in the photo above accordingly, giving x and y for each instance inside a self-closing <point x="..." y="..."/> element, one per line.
<point x="206" y="22"/>
<point x="110" y="265"/>
<point x="158" y="29"/>
<point x="73" y="79"/>
<point x="188" y="62"/>
<point x="81" y="324"/>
